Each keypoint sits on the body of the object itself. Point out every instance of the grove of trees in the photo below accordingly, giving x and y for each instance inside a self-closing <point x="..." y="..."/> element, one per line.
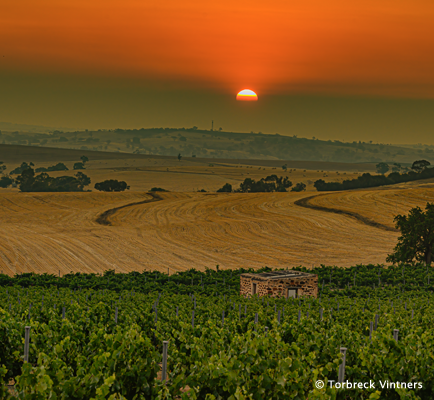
<point x="111" y="185"/>
<point x="57" y="167"/>
<point x="271" y="183"/>
<point x="29" y="182"/>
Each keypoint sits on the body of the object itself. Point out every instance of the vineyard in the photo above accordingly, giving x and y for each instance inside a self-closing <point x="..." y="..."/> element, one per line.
<point x="101" y="337"/>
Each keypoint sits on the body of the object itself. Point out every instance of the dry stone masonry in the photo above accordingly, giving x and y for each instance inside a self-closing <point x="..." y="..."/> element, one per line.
<point x="279" y="284"/>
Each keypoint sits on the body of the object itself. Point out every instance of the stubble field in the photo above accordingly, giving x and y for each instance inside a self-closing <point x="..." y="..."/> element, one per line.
<point x="48" y="232"/>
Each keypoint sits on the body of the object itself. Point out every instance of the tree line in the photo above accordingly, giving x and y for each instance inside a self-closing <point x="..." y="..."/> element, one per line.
<point x="271" y="183"/>
<point x="28" y="181"/>
<point x="419" y="171"/>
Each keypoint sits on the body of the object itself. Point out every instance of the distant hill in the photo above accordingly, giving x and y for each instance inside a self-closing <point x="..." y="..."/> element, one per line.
<point x="192" y="142"/>
<point x="8" y="126"/>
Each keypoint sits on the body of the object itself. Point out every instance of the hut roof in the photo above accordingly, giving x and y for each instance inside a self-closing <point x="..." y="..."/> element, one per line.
<point x="265" y="276"/>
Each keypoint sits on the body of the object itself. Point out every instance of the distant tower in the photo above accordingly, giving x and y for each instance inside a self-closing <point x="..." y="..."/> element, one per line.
<point x="212" y="125"/>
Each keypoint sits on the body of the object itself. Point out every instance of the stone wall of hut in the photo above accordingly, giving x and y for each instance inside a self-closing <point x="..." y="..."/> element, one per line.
<point x="307" y="286"/>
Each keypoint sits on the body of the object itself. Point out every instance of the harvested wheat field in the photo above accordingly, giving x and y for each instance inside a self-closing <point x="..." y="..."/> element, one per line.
<point x="92" y="232"/>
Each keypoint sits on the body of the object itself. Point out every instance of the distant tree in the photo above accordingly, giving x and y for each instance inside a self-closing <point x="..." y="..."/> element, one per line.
<point x="420" y="165"/>
<point x="396" y="167"/>
<point x="111" y="185"/>
<point x="179" y="157"/>
<point x="5" y="181"/>
<point x="299" y="187"/>
<point x="21" y="168"/>
<point x="79" y="165"/>
<point x="83" y="179"/>
<point x="416" y="243"/>
<point x="2" y="167"/>
<point x="63" y="139"/>
<point x="202" y="190"/>
<point x="284" y="167"/>
<point x="158" y="189"/>
<point x="227" y="188"/>
<point x="84" y="159"/>
<point x="26" y="179"/>
<point x="382" y="168"/>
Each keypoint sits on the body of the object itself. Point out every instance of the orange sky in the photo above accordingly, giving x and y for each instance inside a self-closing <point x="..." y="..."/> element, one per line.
<point x="380" y="47"/>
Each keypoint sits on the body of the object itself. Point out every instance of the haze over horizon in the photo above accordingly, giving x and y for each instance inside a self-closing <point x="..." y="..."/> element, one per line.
<point x="339" y="71"/>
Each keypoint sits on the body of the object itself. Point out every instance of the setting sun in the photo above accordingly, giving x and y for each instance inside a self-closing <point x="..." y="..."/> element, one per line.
<point x="247" y="95"/>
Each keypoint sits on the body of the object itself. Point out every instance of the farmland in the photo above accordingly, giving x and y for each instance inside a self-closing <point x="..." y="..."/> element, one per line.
<point x="91" y="280"/>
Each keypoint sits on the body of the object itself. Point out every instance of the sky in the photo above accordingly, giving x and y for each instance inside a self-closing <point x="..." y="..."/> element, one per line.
<point x="345" y="70"/>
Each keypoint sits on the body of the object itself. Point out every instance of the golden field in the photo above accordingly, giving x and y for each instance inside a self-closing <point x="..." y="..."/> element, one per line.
<point x="182" y="229"/>
<point x="48" y="232"/>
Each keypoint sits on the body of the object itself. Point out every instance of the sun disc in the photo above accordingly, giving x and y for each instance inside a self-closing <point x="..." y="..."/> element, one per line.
<point x="247" y="95"/>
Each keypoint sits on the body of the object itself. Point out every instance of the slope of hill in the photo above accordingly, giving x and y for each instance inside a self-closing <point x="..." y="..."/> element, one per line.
<point x="220" y="144"/>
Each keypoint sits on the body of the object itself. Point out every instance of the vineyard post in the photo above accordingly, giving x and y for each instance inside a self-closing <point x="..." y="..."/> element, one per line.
<point x="371" y="325"/>
<point x="245" y="309"/>
<point x="376" y="322"/>
<point x="223" y="317"/>
<point x="116" y="316"/>
<point x="176" y="311"/>
<point x="63" y="312"/>
<point x="395" y="334"/>
<point x="192" y="319"/>
<point x="341" y="374"/>
<point x="256" y="319"/>
<point x="164" y="366"/>
<point x="26" y="343"/>
<point x="320" y="314"/>
<point x="299" y="315"/>
<point x="412" y="313"/>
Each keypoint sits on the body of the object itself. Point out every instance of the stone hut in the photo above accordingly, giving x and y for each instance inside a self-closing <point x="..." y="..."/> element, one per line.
<point x="279" y="284"/>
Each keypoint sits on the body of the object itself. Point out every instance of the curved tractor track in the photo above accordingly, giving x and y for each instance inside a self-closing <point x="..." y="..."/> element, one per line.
<point x="103" y="218"/>
<point x="305" y="202"/>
